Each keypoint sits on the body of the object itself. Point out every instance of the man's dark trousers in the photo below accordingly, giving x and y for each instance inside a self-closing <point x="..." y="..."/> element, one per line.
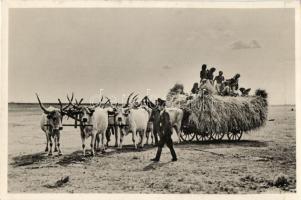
<point x="165" y="139"/>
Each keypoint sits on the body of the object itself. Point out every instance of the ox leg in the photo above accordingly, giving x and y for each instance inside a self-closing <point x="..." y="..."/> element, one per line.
<point x="55" y="142"/>
<point x="58" y="144"/>
<point x="93" y="137"/>
<point x="50" y="149"/>
<point x="142" y="133"/>
<point x="47" y="142"/>
<point x="121" y="138"/>
<point x="117" y="131"/>
<point x="102" y="140"/>
<point x="83" y="144"/>
<point x="139" y="136"/>
<point x="147" y="136"/>
<point x="134" y="138"/>
<point x="96" y="144"/>
<point x="178" y="133"/>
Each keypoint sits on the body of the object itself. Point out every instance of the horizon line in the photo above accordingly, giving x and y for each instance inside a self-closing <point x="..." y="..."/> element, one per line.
<point x="115" y="103"/>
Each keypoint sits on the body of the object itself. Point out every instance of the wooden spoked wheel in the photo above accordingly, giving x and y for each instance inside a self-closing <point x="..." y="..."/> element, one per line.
<point x="236" y="136"/>
<point x="217" y="136"/>
<point x="187" y="134"/>
<point x="203" y="136"/>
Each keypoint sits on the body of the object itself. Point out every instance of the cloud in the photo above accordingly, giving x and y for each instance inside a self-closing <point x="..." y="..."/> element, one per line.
<point x="253" y="44"/>
<point x="166" y="67"/>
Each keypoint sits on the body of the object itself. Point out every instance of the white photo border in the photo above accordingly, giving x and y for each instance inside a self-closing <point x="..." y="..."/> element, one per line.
<point x="6" y="5"/>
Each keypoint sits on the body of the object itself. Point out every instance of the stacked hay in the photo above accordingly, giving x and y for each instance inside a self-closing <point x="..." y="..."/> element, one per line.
<point x="176" y="96"/>
<point x="223" y="114"/>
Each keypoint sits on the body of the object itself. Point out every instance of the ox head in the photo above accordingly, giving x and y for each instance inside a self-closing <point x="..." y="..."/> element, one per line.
<point x="81" y="112"/>
<point x="122" y="113"/>
<point x="54" y="116"/>
<point x="85" y="113"/>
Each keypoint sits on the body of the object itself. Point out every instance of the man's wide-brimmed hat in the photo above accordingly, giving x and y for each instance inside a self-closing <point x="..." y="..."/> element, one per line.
<point x="161" y="102"/>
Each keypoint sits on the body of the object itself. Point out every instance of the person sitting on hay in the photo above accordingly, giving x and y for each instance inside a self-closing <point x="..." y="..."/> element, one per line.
<point x="233" y="83"/>
<point x="226" y="89"/>
<point x="219" y="82"/>
<point x="244" y="92"/>
<point x="203" y="73"/>
<point x="210" y="75"/>
<point x="195" y="89"/>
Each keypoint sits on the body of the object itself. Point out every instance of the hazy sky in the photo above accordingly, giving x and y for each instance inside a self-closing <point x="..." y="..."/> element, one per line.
<point x="57" y="51"/>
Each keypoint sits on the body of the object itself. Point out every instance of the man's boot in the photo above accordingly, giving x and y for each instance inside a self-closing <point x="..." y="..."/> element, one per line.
<point x="173" y="153"/>
<point x="158" y="155"/>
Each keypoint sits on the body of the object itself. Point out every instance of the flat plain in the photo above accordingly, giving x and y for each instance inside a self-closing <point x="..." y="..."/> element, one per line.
<point x="264" y="161"/>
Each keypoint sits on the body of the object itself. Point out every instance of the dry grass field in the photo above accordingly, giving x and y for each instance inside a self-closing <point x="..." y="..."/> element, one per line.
<point x="264" y="161"/>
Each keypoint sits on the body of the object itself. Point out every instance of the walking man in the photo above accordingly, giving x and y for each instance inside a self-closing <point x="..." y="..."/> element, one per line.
<point x="165" y="130"/>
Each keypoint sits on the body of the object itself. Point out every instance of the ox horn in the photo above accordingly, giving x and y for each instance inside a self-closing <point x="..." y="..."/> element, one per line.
<point x="134" y="98"/>
<point x="42" y="106"/>
<point x="99" y="104"/>
<point x="128" y="100"/>
<point x="61" y="105"/>
<point x="150" y="103"/>
<point x="79" y="102"/>
<point x="70" y="100"/>
<point x="108" y="101"/>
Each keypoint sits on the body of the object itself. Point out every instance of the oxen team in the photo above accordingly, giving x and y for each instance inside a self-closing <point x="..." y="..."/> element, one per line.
<point x="99" y="121"/>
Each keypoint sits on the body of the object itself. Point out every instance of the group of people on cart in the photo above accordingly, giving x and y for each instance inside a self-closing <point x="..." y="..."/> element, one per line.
<point x="222" y="86"/>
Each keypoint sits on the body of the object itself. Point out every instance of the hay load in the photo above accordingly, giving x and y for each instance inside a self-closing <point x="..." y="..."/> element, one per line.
<point x="176" y="96"/>
<point x="218" y="114"/>
<point x="212" y="113"/>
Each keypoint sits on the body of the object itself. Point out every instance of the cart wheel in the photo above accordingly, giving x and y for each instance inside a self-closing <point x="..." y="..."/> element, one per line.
<point x="235" y="135"/>
<point x="217" y="136"/>
<point x="189" y="136"/>
<point x="203" y="136"/>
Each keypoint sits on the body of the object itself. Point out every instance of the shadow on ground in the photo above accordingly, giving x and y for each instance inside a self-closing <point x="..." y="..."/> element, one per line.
<point x="78" y="158"/>
<point x="29" y="159"/>
<point x="224" y="144"/>
<point x="154" y="165"/>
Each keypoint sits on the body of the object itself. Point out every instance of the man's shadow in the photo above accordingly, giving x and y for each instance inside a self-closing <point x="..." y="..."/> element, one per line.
<point x="155" y="165"/>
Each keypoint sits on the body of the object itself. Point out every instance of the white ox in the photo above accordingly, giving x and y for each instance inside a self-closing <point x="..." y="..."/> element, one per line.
<point x="132" y="120"/>
<point x="98" y="118"/>
<point x="176" y="117"/>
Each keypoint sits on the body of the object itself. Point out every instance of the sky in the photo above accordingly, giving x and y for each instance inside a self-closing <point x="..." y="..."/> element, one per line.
<point x="55" y="51"/>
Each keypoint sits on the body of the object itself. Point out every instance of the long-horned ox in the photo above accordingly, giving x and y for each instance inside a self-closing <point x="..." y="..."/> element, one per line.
<point x="132" y="120"/>
<point x="93" y="122"/>
<point x="51" y="124"/>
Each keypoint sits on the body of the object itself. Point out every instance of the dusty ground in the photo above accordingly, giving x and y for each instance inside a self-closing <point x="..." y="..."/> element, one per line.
<point x="248" y="166"/>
